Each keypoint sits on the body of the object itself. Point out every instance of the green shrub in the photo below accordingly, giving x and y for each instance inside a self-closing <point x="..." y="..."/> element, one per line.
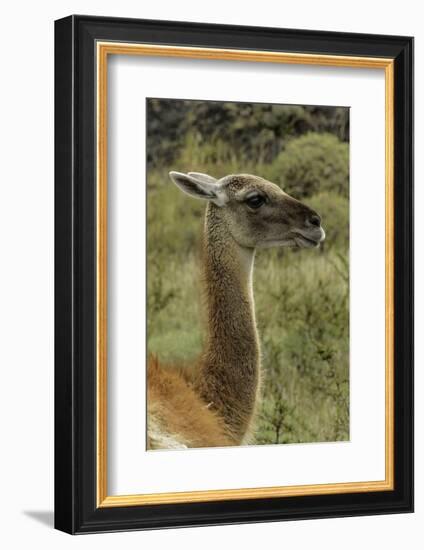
<point x="302" y="306"/>
<point x="251" y="132"/>
<point x="313" y="163"/>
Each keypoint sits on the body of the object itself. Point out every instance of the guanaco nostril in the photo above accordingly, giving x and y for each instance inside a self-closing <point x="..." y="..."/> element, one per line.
<point x="315" y="220"/>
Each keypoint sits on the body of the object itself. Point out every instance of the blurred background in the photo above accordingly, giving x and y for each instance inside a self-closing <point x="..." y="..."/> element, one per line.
<point x="301" y="296"/>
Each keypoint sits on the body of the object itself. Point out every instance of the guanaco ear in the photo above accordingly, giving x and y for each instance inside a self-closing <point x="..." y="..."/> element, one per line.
<point x="200" y="186"/>
<point x="203" y="177"/>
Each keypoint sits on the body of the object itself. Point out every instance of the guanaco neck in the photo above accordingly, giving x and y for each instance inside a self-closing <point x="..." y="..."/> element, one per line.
<point x="229" y="378"/>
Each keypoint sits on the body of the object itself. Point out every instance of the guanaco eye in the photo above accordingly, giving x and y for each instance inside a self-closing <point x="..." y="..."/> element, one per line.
<point x="255" y="201"/>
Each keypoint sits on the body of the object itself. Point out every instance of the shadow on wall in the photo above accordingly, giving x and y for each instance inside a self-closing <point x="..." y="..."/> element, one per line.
<point x="46" y="517"/>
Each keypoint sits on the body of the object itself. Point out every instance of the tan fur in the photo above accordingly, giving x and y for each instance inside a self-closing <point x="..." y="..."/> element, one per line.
<point x="176" y="416"/>
<point x="216" y="407"/>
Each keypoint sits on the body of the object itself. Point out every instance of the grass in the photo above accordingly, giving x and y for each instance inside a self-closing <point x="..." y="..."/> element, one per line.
<point x="302" y="309"/>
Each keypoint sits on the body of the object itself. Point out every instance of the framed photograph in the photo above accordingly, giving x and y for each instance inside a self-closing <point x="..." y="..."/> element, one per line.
<point x="234" y="274"/>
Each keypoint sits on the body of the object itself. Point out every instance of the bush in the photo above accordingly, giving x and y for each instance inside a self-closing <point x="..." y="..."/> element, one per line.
<point x="249" y="132"/>
<point x="302" y="305"/>
<point x="313" y="163"/>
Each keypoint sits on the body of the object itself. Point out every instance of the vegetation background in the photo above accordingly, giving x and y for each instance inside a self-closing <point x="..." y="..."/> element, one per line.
<point x="302" y="296"/>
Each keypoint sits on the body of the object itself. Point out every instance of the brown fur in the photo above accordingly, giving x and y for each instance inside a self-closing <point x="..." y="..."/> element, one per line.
<point x="216" y="407"/>
<point x="179" y="411"/>
<point x="229" y="373"/>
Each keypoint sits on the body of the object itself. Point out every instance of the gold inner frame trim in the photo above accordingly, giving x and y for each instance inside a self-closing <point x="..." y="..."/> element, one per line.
<point x="104" y="49"/>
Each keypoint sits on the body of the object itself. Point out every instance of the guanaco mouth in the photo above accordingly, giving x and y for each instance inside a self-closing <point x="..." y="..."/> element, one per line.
<point x="305" y="242"/>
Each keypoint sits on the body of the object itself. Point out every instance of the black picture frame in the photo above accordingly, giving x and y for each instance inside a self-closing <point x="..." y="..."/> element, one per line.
<point x="76" y="509"/>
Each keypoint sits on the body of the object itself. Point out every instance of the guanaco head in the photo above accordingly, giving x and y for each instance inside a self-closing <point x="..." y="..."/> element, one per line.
<point x="257" y="212"/>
